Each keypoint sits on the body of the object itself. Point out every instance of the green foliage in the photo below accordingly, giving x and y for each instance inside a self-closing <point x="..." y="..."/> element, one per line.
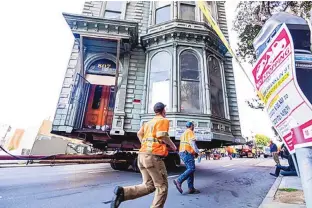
<point x="249" y="19"/>
<point x="262" y="140"/>
<point x="251" y="16"/>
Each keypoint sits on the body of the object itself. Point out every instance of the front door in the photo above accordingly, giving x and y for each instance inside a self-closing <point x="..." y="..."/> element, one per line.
<point x="99" y="113"/>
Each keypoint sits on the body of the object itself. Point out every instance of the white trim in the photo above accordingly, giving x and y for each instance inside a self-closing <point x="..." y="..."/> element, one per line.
<point x="225" y="102"/>
<point x="151" y="56"/>
<point x="122" y="10"/>
<point x="200" y="64"/>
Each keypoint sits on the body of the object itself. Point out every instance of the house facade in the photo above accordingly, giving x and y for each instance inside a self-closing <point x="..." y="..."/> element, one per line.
<point x="128" y="55"/>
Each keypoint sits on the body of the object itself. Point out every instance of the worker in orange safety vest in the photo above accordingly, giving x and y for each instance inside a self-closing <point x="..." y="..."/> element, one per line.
<point x="153" y="136"/>
<point x="188" y="151"/>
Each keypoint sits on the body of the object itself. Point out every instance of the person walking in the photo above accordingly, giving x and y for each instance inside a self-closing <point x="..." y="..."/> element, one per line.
<point x="153" y="136"/>
<point x="187" y="151"/>
<point x="274" y="152"/>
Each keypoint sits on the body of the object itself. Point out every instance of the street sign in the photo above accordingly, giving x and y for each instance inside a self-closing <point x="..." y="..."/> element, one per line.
<point x="275" y="78"/>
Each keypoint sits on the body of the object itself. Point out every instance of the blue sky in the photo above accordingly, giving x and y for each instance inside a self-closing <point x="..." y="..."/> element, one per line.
<point x="35" y="49"/>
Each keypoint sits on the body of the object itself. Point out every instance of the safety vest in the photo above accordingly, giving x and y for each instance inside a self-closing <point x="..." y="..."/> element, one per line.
<point x="185" y="139"/>
<point x="154" y="130"/>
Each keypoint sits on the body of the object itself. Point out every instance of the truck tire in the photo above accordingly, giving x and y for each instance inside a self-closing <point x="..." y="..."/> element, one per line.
<point x="135" y="165"/>
<point x="119" y="166"/>
<point x="172" y="161"/>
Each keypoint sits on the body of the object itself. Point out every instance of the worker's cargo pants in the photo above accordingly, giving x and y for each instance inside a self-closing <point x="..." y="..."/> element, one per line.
<point x="276" y="158"/>
<point x="188" y="175"/>
<point x="154" y="175"/>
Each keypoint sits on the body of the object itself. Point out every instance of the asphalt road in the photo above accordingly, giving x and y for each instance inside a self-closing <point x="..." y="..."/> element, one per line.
<point x="228" y="184"/>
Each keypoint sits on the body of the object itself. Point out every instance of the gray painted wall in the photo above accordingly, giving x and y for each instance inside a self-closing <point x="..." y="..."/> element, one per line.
<point x="139" y="11"/>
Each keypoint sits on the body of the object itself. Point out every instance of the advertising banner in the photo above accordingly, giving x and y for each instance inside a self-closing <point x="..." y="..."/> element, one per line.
<point x="201" y="134"/>
<point x="275" y="78"/>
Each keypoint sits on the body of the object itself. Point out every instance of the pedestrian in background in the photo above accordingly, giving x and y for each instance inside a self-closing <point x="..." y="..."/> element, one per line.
<point x="274" y="152"/>
<point x="187" y="151"/>
<point x="153" y="136"/>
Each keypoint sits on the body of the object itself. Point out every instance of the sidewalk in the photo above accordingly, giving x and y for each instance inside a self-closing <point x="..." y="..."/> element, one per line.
<point x="286" y="192"/>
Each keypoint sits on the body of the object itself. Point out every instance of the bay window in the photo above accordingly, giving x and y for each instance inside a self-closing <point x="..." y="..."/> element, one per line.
<point x="187" y="10"/>
<point x="216" y="87"/>
<point x="162" y="11"/>
<point x="159" y="80"/>
<point x="190" y="83"/>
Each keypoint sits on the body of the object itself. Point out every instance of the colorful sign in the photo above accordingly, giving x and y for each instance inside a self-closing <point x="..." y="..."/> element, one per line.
<point x="275" y="78"/>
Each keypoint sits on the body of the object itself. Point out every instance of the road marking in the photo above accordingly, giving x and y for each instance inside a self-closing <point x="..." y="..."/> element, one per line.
<point x="227" y="165"/>
<point x="231" y="170"/>
<point x="173" y="176"/>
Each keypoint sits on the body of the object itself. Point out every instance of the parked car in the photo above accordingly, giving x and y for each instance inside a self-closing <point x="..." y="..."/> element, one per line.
<point x="266" y="152"/>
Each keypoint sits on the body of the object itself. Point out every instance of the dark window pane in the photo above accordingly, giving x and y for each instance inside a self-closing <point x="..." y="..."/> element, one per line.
<point x="189" y="66"/>
<point x="159" y="80"/>
<point x="190" y="100"/>
<point x="111" y="99"/>
<point x="216" y="90"/>
<point x="187" y="12"/>
<point x="162" y="14"/>
<point x="112" y="15"/>
<point x="97" y="97"/>
<point x="114" y="5"/>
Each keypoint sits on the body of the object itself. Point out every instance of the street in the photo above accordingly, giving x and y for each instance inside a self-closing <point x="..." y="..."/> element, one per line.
<point x="223" y="183"/>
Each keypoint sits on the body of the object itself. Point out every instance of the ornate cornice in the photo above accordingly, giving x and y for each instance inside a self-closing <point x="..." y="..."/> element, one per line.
<point x="110" y="28"/>
<point x="197" y="33"/>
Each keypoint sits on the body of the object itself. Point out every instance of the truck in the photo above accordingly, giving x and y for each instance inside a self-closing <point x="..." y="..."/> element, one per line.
<point x="126" y="57"/>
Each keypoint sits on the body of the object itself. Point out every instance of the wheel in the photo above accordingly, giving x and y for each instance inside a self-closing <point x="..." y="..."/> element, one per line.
<point x="172" y="161"/>
<point x="135" y="165"/>
<point x="265" y="156"/>
<point x="119" y="166"/>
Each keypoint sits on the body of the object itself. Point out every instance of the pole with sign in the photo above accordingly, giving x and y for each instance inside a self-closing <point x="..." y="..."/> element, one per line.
<point x="283" y="74"/>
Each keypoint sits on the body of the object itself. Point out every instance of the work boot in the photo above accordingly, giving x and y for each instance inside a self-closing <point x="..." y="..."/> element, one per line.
<point x="194" y="191"/>
<point x="273" y="174"/>
<point x="118" y="197"/>
<point x="178" y="186"/>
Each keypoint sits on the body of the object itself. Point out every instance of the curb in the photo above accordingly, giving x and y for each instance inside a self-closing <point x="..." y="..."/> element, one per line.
<point x="270" y="195"/>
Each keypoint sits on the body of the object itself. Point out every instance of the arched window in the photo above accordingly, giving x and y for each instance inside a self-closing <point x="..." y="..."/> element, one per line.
<point x="103" y="66"/>
<point x="190" y="83"/>
<point x="159" y="80"/>
<point x="162" y="11"/>
<point x="216" y="89"/>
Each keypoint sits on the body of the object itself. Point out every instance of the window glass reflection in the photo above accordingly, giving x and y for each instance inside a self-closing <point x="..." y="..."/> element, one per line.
<point x="187" y="12"/>
<point x="162" y="14"/>
<point x="216" y="90"/>
<point x="159" y="80"/>
<point x="190" y="83"/>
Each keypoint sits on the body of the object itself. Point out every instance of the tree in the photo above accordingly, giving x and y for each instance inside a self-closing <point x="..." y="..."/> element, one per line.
<point x="251" y="16"/>
<point x="262" y="140"/>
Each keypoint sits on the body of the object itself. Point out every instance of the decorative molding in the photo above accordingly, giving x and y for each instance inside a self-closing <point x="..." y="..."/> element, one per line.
<point x="197" y="33"/>
<point x="96" y="26"/>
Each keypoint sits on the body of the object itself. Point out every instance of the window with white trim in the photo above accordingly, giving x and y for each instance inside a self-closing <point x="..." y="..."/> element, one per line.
<point x="187" y="10"/>
<point x="216" y="88"/>
<point x="190" y="83"/>
<point x="162" y="11"/>
<point x="159" y="80"/>
<point x="113" y="9"/>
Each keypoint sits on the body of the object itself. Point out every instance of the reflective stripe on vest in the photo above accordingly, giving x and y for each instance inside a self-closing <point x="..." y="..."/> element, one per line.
<point x="150" y="144"/>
